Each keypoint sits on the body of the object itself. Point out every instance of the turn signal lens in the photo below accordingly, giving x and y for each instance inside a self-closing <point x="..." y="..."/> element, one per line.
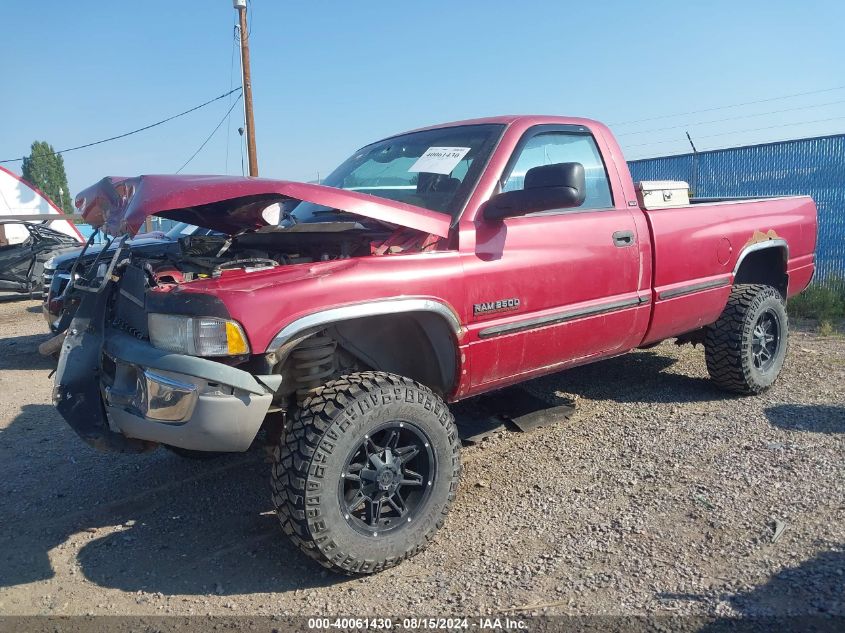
<point x="235" y="339"/>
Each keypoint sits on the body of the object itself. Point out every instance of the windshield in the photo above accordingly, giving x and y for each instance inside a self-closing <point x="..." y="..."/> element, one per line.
<point x="434" y="169"/>
<point x="180" y="229"/>
<point x="183" y="229"/>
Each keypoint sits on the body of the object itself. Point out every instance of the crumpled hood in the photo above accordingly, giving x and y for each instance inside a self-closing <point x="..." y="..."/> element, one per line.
<point x="231" y="203"/>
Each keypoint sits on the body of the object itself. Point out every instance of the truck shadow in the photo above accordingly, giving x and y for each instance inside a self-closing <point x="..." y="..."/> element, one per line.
<point x="160" y="523"/>
<point x="815" y="418"/>
<point x="9" y="296"/>
<point x="804" y="589"/>
<point x="21" y="352"/>
<point x="809" y="589"/>
<point x="153" y="522"/>
<point x="640" y="376"/>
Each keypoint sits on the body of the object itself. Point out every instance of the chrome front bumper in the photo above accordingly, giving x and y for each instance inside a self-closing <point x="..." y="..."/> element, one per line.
<point x="155" y="395"/>
<point x="166" y="398"/>
<point x="150" y="395"/>
<point x="184" y="401"/>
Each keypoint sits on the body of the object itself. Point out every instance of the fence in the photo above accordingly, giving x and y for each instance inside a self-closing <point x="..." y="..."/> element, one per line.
<point x="808" y="166"/>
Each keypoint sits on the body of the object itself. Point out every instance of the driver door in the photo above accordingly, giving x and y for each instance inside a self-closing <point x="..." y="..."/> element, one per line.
<point x="565" y="280"/>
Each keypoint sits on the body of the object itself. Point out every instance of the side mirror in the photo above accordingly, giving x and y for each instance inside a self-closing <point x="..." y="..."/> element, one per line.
<point x="558" y="186"/>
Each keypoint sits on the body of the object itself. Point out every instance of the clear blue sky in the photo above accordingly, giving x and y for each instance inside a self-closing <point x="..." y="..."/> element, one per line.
<point x="331" y="76"/>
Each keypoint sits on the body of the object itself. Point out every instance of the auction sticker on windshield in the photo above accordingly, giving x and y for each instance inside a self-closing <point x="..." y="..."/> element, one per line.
<point x="439" y="160"/>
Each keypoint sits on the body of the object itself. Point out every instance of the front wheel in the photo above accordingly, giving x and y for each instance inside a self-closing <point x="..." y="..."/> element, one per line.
<point x="746" y="347"/>
<point x="367" y="471"/>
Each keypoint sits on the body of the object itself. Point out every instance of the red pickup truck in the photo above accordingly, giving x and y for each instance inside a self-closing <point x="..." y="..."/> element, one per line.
<point x="341" y="319"/>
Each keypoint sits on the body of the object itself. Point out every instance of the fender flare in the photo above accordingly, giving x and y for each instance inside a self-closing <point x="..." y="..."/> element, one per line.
<point x="759" y="246"/>
<point x="304" y="326"/>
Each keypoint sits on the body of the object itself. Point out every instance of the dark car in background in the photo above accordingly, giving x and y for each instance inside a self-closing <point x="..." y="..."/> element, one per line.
<point x="58" y="310"/>
<point x="22" y="263"/>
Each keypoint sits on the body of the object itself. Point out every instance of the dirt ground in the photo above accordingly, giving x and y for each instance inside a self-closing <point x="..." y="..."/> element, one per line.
<point x="660" y="495"/>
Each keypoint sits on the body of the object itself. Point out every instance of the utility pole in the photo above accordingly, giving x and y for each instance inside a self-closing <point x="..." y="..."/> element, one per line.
<point x="694" y="184"/>
<point x="689" y="138"/>
<point x="240" y="5"/>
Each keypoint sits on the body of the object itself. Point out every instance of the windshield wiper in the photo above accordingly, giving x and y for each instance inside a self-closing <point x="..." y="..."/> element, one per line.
<point x="332" y="212"/>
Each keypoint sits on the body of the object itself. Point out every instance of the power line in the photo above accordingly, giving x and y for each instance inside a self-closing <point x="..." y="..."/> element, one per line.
<point x="141" y="129"/>
<point x="734" y="105"/>
<point x="213" y="132"/>
<point x="758" y="129"/>
<point x="733" y="118"/>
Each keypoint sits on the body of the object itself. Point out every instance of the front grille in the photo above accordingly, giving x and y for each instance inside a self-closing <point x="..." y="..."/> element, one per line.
<point x="48" y="278"/>
<point x="123" y="326"/>
<point x="46" y="282"/>
<point x="128" y="312"/>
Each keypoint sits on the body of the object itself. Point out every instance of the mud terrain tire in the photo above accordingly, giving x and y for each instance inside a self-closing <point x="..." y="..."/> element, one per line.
<point x="381" y="441"/>
<point x="746" y="347"/>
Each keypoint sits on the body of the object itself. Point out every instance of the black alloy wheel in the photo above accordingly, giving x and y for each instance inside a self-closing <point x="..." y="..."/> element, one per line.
<point x="765" y="340"/>
<point x="366" y="472"/>
<point x="388" y="476"/>
<point x="746" y="348"/>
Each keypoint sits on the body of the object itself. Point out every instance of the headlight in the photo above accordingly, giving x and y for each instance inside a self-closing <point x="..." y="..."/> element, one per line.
<point x="197" y="336"/>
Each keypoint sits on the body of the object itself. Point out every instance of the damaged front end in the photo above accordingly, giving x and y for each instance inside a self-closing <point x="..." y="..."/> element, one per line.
<point x="121" y="393"/>
<point x="152" y="355"/>
<point x="76" y="393"/>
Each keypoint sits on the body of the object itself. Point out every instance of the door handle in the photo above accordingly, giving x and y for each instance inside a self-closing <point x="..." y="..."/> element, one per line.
<point x="623" y="238"/>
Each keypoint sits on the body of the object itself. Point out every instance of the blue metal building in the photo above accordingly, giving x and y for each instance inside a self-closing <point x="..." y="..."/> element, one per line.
<point x="808" y="166"/>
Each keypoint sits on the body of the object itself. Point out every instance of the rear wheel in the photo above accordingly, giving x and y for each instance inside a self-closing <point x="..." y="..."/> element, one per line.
<point x="746" y="347"/>
<point x="367" y="471"/>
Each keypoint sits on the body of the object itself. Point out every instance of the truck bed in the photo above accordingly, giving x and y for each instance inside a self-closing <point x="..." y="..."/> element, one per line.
<point x="697" y="249"/>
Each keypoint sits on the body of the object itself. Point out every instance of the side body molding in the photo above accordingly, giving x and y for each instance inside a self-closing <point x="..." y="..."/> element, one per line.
<point x="759" y="246"/>
<point x="310" y="322"/>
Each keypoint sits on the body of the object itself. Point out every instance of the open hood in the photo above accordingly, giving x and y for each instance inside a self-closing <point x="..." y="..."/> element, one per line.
<point x="231" y="203"/>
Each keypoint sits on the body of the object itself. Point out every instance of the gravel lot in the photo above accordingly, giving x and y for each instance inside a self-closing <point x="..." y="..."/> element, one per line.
<point x="660" y="495"/>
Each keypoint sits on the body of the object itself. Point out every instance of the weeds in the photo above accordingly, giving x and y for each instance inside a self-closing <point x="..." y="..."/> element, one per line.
<point x="823" y="303"/>
<point x="826" y="328"/>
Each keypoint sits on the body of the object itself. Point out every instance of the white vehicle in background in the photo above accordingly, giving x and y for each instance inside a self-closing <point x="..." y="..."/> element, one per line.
<point x="32" y="230"/>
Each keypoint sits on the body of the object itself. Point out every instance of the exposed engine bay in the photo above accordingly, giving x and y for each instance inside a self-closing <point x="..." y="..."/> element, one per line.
<point x="201" y="257"/>
<point x="207" y="256"/>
